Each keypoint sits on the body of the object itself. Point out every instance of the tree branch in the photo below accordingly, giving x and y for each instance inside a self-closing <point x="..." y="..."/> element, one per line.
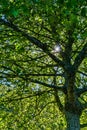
<point x="39" y="93"/>
<point x="83" y="125"/>
<point x="61" y="88"/>
<point x="82" y="73"/>
<point x="44" y="107"/>
<point x="84" y="105"/>
<point x="47" y="85"/>
<point x="31" y="74"/>
<point x="82" y="54"/>
<point x="81" y="91"/>
<point x="59" y="104"/>
<point x="44" y="74"/>
<point x="35" y="41"/>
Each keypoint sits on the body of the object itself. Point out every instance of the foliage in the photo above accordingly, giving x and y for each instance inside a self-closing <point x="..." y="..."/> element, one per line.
<point x="34" y="76"/>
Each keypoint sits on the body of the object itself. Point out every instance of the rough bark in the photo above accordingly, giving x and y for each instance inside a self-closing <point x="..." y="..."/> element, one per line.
<point x="73" y="122"/>
<point x="73" y="107"/>
<point x="73" y="111"/>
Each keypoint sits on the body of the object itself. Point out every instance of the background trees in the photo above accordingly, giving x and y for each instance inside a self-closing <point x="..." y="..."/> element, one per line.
<point x="43" y="49"/>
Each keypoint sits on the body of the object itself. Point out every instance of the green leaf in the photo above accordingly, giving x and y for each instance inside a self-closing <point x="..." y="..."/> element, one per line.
<point x="14" y="12"/>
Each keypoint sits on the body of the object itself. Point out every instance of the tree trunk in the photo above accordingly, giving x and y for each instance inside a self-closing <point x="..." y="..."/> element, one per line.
<point x="73" y="121"/>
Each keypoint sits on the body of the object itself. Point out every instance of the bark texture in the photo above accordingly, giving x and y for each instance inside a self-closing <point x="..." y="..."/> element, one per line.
<point x="73" y="122"/>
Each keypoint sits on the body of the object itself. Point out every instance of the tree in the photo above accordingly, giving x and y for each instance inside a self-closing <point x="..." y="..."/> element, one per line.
<point x="43" y="53"/>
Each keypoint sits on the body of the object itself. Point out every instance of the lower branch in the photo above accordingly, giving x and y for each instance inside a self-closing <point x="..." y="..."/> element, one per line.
<point x="83" y="125"/>
<point x="39" y="93"/>
<point x="84" y="106"/>
<point x="47" y="85"/>
<point x="59" y="104"/>
<point x="81" y="91"/>
<point x="44" y="107"/>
